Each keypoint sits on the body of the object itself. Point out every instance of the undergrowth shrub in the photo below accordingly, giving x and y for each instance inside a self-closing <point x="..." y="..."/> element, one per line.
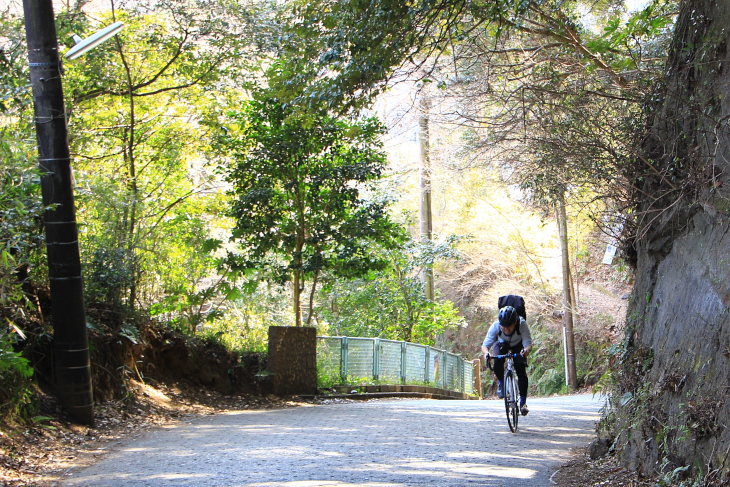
<point x="547" y="362"/>
<point x="547" y="368"/>
<point x="15" y="376"/>
<point x="21" y="245"/>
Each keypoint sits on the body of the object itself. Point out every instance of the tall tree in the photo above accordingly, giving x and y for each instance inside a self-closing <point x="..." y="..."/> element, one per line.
<point x="425" y="177"/>
<point x="298" y="180"/>
<point x="570" y="304"/>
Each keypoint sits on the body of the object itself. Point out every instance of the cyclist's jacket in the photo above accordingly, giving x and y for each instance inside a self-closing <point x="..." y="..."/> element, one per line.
<point x="495" y="334"/>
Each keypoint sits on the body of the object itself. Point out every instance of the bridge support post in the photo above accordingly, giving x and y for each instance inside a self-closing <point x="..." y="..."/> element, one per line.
<point x="344" y="360"/>
<point x="403" y="362"/>
<point x="427" y="368"/>
<point x="477" y="364"/>
<point x="376" y="358"/>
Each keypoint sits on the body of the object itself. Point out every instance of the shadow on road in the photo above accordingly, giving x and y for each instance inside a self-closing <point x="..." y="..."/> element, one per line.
<point x="380" y="443"/>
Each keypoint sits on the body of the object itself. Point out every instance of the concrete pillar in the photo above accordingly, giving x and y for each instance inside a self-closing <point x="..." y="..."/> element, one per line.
<point x="292" y="360"/>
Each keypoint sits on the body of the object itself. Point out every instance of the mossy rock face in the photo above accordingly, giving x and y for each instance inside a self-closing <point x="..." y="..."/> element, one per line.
<point x="677" y="367"/>
<point x="681" y="309"/>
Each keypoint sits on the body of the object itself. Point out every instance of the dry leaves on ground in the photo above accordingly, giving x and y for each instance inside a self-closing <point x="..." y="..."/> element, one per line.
<point x="605" y="471"/>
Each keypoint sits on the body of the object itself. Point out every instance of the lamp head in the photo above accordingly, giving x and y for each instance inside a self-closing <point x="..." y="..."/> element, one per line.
<point x="84" y="45"/>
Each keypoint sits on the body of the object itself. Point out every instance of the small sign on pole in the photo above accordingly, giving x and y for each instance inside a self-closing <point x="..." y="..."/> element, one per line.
<point x="615" y="231"/>
<point x="609" y="255"/>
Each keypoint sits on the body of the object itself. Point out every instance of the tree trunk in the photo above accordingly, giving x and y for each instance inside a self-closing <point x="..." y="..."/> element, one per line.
<point x="297" y="294"/>
<point x="298" y="279"/>
<point x="425" y="173"/>
<point x="573" y="296"/>
<point x="311" y="298"/>
<point x="567" y="292"/>
<point x="132" y="171"/>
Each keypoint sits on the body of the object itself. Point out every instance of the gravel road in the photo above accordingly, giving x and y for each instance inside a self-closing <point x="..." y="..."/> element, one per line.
<point x="376" y="443"/>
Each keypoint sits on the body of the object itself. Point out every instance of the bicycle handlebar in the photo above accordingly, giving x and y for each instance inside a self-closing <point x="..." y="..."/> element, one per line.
<point x="489" y="360"/>
<point x="513" y="355"/>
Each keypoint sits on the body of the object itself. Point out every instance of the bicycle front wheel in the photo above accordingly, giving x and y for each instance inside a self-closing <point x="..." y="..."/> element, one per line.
<point x="511" y="401"/>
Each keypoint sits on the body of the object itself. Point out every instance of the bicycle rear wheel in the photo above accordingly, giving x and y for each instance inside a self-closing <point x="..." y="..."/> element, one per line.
<point x="511" y="401"/>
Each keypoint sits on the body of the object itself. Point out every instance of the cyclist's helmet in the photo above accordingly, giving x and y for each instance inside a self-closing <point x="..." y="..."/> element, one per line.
<point x="507" y="316"/>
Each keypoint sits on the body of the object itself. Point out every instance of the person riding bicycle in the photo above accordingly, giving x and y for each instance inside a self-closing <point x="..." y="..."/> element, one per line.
<point x="510" y="334"/>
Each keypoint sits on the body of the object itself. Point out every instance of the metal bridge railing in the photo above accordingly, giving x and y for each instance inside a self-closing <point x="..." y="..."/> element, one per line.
<point x="350" y="358"/>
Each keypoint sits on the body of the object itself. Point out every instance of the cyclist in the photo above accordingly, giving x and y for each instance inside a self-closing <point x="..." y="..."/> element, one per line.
<point x="510" y="334"/>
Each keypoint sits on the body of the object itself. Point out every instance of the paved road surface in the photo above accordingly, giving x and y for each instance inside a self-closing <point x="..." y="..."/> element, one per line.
<point x="378" y="443"/>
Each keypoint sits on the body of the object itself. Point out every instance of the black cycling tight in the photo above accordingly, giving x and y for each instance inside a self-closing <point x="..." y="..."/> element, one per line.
<point x="520" y="368"/>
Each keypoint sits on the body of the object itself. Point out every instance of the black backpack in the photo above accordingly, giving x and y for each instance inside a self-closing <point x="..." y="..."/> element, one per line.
<point x="517" y="302"/>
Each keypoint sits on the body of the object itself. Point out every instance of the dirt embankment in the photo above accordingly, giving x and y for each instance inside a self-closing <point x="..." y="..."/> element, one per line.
<point x="151" y="353"/>
<point x="142" y="376"/>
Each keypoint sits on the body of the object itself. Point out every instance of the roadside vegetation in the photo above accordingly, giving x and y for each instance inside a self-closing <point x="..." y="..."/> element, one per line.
<point x="239" y="165"/>
<point x="217" y="196"/>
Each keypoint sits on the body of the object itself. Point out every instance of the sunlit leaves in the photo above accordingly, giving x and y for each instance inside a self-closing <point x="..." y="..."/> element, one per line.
<point x="352" y="48"/>
<point x="141" y="107"/>
<point x="391" y="303"/>
<point x="298" y="184"/>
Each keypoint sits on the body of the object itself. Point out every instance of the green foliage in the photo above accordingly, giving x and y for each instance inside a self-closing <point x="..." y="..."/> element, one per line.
<point x="242" y="324"/>
<point x="547" y="364"/>
<point x="297" y="182"/>
<point x="14" y="79"/>
<point x="21" y="240"/>
<point x="235" y="335"/>
<point x="593" y="352"/>
<point x="591" y="357"/>
<point x="15" y="374"/>
<point x="359" y="45"/>
<point x="327" y="376"/>
<point x="141" y="109"/>
<point x="344" y="52"/>
<point x="390" y="303"/>
<point x="109" y="273"/>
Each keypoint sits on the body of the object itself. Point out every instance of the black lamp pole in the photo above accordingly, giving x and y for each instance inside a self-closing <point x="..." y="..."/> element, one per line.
<point x="71" y="346"/>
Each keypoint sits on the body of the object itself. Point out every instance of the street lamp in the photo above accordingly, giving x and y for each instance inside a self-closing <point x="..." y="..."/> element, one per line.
<point x="70" y="340"/>
<point x="84" y="45"/>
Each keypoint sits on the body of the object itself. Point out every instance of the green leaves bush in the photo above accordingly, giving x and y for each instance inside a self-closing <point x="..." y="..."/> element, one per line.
<point x="20" y="245"/>
<point x="15" y="374"/>
<point x="390" y="303"/>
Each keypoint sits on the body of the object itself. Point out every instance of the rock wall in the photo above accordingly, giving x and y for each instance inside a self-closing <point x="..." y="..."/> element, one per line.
<point x="671" y="406"/>
<point x="677" y="371"/>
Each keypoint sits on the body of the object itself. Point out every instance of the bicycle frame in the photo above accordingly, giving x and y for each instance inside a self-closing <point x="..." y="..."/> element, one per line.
<point x="511" y="393"/>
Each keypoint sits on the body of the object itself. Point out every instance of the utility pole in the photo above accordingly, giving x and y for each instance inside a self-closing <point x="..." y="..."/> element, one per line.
<point x="70" y="341"/>
<point x="567" y="293"/>
<point x="425" y="173"/>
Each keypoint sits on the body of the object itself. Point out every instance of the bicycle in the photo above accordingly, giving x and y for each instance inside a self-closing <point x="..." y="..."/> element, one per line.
<point x="509" y="387"/>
